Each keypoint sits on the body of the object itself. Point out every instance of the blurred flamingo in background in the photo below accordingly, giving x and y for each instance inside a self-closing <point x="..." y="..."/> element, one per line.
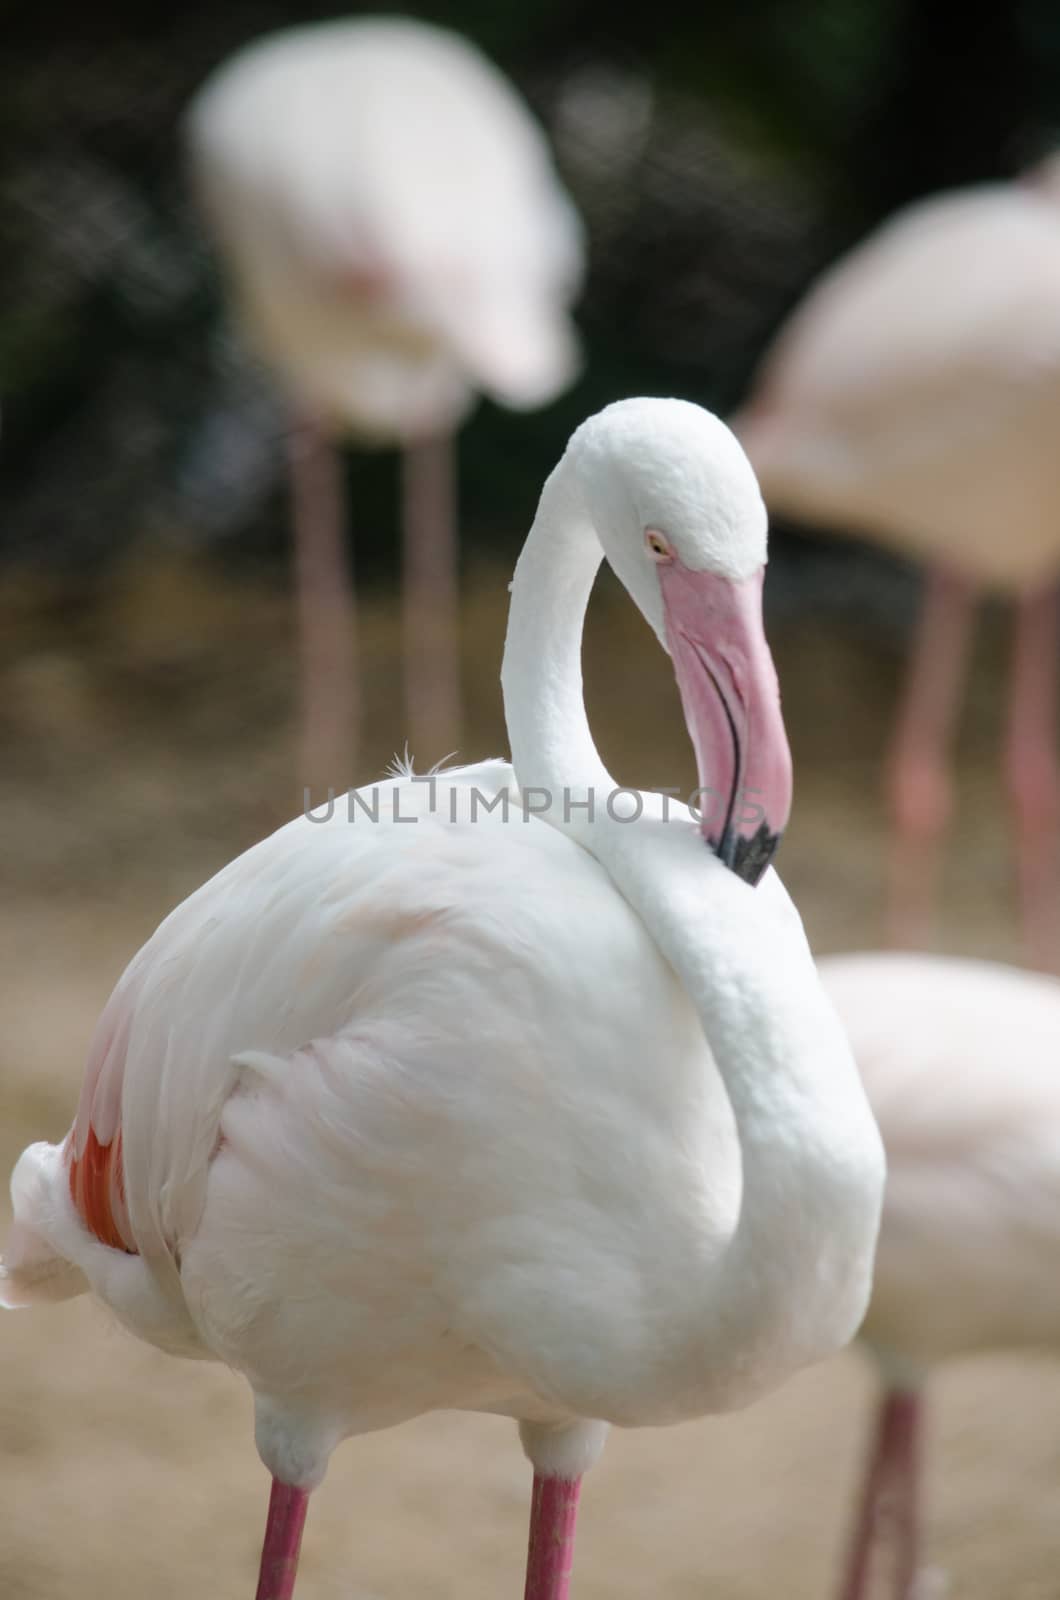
<point x="913" y="398"/>
<point x="959" y="1059"/>
<point x="397" y="239"/>
<point x="548" y="1117"/>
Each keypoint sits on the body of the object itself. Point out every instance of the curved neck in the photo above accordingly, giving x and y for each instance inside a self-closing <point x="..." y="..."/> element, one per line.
<point x="791" y="1281"/>
<point x="541" y="675"/>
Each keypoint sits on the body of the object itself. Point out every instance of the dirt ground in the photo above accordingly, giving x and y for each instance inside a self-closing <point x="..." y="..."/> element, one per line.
<point x="145" y="735"/>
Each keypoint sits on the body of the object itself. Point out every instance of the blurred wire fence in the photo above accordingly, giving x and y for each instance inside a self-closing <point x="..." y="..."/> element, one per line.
<point x="720" y="155"/>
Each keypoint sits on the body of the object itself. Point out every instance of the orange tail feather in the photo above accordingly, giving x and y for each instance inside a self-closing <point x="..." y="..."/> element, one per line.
<point x="97" y="1188"/>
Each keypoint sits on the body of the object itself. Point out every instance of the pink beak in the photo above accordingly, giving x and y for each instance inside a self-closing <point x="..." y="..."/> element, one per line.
<point x="731" y="702"/>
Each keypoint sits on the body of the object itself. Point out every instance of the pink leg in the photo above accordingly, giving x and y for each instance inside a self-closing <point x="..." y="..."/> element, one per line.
<point x="550" y="1558"/>
<point x="889" y="1495"/>
<point x="1032" y="776"/>
<point x="905" y="1444"/>
<point x="918" y="782"/>
<point x="856" y="1575"/>
<point x="326" y="617"/>
<point x="283" y="1540"/>
<point x="429" y="579"/>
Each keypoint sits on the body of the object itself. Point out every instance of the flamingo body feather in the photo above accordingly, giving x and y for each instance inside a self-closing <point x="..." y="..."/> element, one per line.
<point x="959" y="1061"/>
<point x="431" y="1100"/>
<point x="912" y="396"/>
<point x="390" y="212"/>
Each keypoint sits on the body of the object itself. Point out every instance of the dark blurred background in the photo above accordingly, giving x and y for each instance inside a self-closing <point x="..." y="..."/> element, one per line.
<point x="720" y="153"/>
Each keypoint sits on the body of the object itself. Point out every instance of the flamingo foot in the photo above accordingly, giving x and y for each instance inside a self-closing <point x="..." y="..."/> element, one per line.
<point x="550" y="1559"/>
<point x="283" y="1540"/>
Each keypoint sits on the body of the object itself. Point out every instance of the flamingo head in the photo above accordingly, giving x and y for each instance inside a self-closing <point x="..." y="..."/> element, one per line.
<point x="678" y="511"/>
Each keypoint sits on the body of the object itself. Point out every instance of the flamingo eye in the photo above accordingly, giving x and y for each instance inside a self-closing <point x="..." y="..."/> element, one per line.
<point x="657" y="545"/>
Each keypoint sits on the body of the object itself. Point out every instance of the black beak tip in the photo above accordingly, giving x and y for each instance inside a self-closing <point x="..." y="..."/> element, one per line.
<point x="748" y="857"/>
<point x="752" y="856"/>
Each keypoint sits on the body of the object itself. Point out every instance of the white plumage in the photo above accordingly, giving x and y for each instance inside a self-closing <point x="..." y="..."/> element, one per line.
<point x="911" y="394"/>
<point x="392" y="215"/>
<point x="399" y="242"/>
<point x="959" y="1059"/>
<point x="421" y="1111"/>
<point x="912" y="398"/>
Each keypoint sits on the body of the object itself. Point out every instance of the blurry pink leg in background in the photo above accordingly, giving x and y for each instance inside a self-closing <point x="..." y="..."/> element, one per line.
<point x="889" y="1499"/>
<point x="326" y="615"/>
<point x="430" y="599"/>
<point x="919" y="784"/>
<point x="1031" y="774"/>
<point x="550" y="1557"/>
<point x="904" y="1409"/>
<point x="283" y="1540"/>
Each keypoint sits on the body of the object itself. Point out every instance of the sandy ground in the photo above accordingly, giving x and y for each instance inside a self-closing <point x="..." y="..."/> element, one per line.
<point x="146" y="736"/>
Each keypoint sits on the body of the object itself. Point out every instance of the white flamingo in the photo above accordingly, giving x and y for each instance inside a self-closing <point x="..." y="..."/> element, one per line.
<point x="912" y="398"/>
<point x="959" y="1059"/>
<point x="545" y="1115"/>
<point x="397" y="239"/>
